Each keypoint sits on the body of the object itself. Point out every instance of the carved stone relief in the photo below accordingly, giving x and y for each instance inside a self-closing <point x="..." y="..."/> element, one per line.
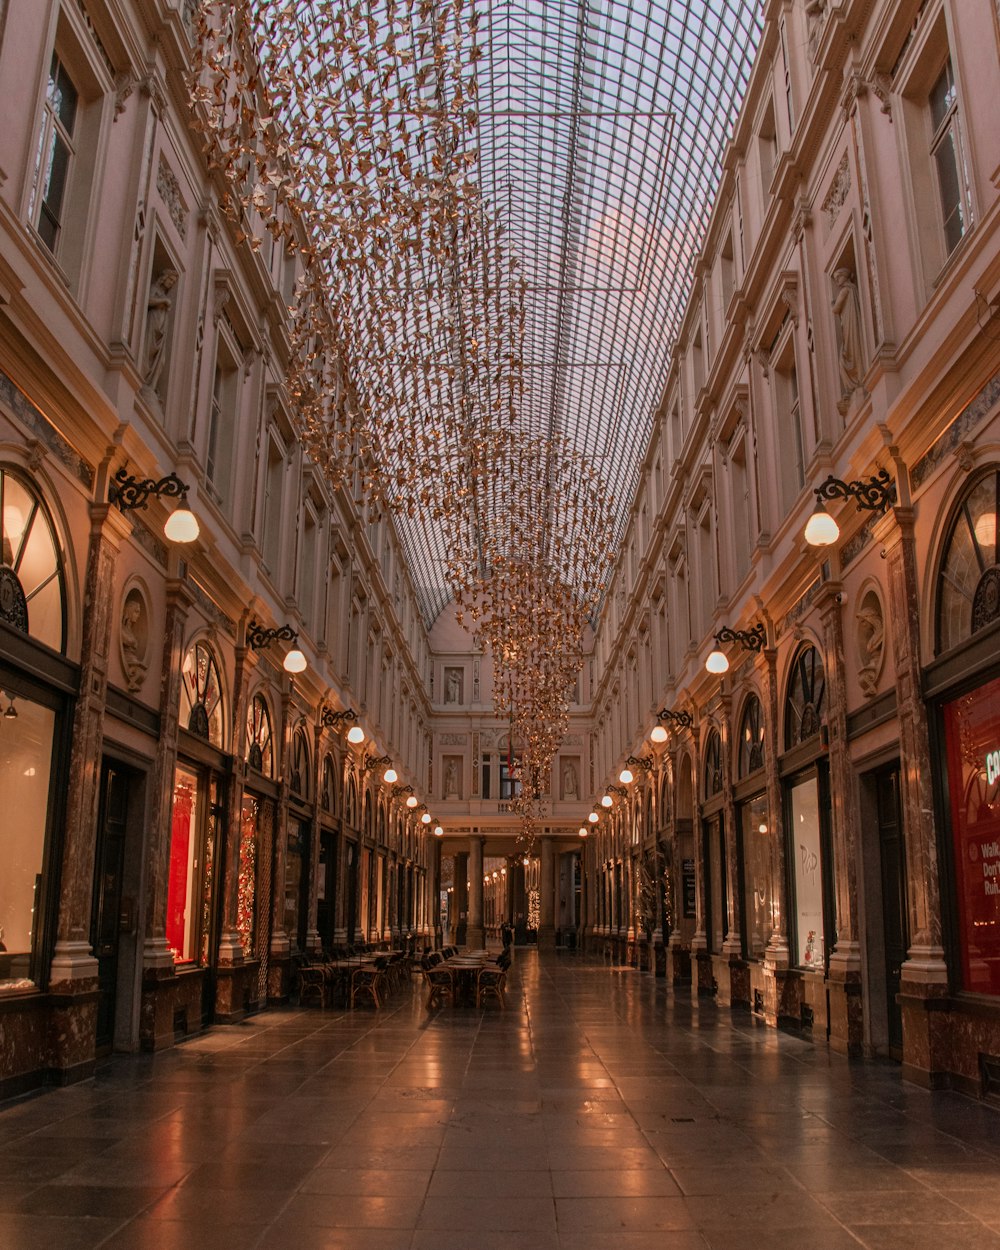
<point x="133" y="638"/>
<point x="870" y="639"/>
<point x="840" y="189"/>
<point x="170" y="193"/>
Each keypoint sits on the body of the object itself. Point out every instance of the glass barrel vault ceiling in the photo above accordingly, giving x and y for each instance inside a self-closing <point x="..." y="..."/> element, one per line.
<point x="601" y="131"/>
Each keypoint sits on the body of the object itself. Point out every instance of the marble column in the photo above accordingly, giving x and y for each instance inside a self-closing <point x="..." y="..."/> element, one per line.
<point x="314" y="941"/>
<point x="475" y="935"/>
<point x="279" y="964"/>
<point x="156" y="1027"/>
<point x="844" y="978"/>
<point x="781" y="997"/>
<point x="73" y="975"/>
<point x="924" y="973"/>
<point x="546" y="921"/>
<point x="230" y="955"/>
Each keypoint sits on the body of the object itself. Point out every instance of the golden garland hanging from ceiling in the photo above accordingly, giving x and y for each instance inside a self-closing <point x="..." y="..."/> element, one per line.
<point x="348" y="132"/>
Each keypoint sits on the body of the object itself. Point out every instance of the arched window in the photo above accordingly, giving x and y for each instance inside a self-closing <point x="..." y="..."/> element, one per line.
<point x="351" y="809"/>
<point x="300" y="765"/>
<point x="32" y="585"/>
<point x="751" y="737"/>
<point x="805" y="704"/>
<point x="260" y="746"/>
<point x="969" y="580"/>
<point x="713" y="764"/>
<point x="201" y="694"/>
<point x="329" y="799"/>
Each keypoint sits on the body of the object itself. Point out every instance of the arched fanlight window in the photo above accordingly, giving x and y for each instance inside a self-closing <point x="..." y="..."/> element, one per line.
<point x="751" y="737"/>
<point x="32" y="584"/>
<point x="713" y="764"/>
<point x="329" y="798"/>
<point x="201" y="694"/>
<point x="969" y="579"/>
<point x="300" y="764"/>
<point x="805" y="704"/>
<point x="260" y="745"/>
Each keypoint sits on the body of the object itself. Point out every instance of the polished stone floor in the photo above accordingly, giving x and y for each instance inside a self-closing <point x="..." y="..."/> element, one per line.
<point x="599" y="1112"/>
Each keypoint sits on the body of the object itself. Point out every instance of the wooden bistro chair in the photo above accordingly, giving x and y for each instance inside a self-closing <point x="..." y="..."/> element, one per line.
<point x="367" y="980"/>
<point x="440" y="985"/>
<point x="491" y="982"/>
<point x="312" y="985"/>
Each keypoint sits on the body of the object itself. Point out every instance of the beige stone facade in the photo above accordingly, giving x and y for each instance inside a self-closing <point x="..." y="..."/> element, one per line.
<point x="186" y="821"/>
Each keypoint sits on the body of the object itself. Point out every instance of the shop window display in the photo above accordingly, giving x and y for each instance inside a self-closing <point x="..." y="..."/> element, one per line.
<point x="192" y="867"/>
<point x="807" y="864"/>
<point x="26" y="739"/>
<point x="758" y="887"/>
<point x="972" y="741"/>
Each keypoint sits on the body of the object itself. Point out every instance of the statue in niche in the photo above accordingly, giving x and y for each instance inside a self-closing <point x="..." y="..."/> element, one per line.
<point x="133" y="637"/>
<point x="158" y="307"/>
<point x="453" y="685"/>
<point x="570" y="780"/>
<point x="847" y="310"/>
<point x="871" y="643"/>
<point x="451" y="780"/>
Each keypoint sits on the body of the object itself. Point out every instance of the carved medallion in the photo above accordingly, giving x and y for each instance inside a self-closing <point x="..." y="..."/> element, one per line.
<point x="986" y="600"/>
<point x="13" y="604"/>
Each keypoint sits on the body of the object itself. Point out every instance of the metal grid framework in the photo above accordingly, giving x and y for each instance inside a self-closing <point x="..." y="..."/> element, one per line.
<point x="601" y="130"/>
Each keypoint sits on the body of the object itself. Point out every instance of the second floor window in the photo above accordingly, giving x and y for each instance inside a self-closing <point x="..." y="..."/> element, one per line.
<point x="946" y="150"/>
<point x="55" y="153"/>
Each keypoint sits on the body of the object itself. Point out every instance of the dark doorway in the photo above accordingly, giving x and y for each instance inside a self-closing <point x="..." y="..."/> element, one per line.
<point x="326" y="887"/>
<point x="894" y="910"/>
<point x="108" y="918"/>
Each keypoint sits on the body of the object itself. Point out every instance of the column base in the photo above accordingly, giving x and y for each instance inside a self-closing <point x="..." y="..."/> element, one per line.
<point x="547" y="938"/>
<point x="475" y="937"/>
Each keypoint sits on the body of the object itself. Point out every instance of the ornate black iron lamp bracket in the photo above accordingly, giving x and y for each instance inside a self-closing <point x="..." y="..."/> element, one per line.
<point x="258" y="636"/>
<point x="127" y="491"/>
<point x="679" y="718"/>
<point x="376" y="761"/>
<point x="645" y="762"/>
<point x="330" y="719"/>
<point x="749" y="639"/>
<point x="619" y="790"/>
<point x="876" y="494"/>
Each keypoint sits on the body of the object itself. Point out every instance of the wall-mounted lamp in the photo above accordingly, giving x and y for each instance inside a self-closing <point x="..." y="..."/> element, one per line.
<point x="679" y="719"/>
<point x="658" y="734"/>
<point x="438" y="831"/>
<point x="376" y="761"/>
<point x="749" y="639"/>
<point x="877" y="494"/>
<point x="583" y="831"/>
<point x="643" y="763"/>
<point x="397" y="791"/>
<point x="258" y="637"/>
<point x="593" y="818"/>
<point x="127" y="492"/>
<point x="330" y="719"/>
<point x="411" y="802"/>
<point x="607" y="800"/>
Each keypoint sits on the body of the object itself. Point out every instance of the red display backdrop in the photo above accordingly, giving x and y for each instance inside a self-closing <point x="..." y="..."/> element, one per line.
<point x="972" y="735"/>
